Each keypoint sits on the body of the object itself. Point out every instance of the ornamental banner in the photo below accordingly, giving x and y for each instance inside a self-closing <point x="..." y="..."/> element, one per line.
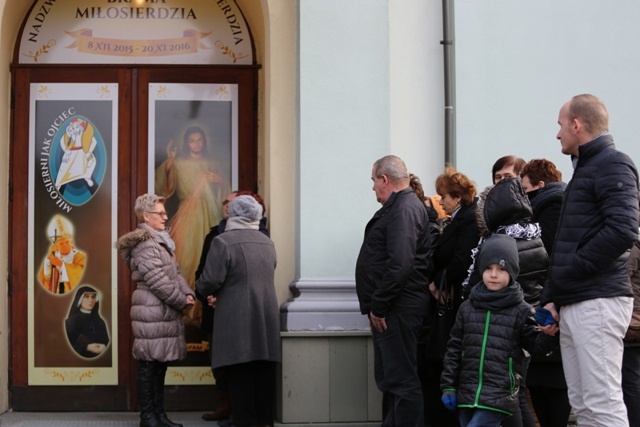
<point x="72" y="214"/>
<point x="139" y="32"/>
<point x="193" y="162"/>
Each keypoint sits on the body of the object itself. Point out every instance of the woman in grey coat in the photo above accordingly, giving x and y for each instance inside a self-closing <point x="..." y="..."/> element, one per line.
<point x="238" y="279"/>
<point x="156" y="305"/>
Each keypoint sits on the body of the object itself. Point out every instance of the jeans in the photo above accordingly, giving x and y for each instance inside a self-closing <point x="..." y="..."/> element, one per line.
<point x="480" y="418"/>
<point x="631" y="384"/>
<point x="591" y="344"/>
<point x="396" y="372"/>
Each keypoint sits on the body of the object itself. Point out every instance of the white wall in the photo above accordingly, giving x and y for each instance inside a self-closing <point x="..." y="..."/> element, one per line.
<point x="370" y="85"/>
<point x="344" y="128"/>
<point x="517" y="62"/>
<point x="417" y="87"/>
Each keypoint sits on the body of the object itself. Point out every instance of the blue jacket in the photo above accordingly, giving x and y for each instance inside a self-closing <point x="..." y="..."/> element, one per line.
<point x="597" y="227"/>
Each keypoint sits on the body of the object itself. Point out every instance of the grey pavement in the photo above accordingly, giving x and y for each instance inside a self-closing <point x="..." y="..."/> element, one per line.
<point x="125" y="419"/>
<point x="93" y="419"/>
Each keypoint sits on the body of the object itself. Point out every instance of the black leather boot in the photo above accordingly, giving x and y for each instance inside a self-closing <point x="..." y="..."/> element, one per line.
<point x="145" y="384"/>
<point x="158" y="396"/>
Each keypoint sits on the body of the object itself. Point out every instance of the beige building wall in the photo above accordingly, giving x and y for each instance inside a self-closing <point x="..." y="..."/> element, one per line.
<point x="11" y="14"/>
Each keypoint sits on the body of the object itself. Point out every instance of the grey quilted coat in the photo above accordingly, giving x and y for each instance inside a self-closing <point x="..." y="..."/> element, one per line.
<point x="240" y="271"/>
<point x="159" y="297"/>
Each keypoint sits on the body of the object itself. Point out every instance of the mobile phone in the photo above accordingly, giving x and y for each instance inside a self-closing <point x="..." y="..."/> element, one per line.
<point x="544" y="317"/>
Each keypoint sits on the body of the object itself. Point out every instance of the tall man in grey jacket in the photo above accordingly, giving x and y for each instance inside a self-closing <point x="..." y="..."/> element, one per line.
<point x="391" y="281"/>
<point x="587" y="287"/>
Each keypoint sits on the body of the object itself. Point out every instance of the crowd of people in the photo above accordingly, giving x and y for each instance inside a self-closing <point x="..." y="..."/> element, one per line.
<point x="511" y="307"/>
<point x="507" y="307"/>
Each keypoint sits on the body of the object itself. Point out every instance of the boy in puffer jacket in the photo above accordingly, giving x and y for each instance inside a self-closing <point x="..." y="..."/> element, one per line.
<point x="483" y="362"/>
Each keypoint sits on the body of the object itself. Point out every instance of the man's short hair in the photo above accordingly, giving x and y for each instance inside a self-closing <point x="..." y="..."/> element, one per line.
<point x="393" y="167"/>
<point x="592" y="113"/>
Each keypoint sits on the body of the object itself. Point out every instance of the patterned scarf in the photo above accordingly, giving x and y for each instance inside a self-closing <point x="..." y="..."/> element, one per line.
<point x="522" y="231"/>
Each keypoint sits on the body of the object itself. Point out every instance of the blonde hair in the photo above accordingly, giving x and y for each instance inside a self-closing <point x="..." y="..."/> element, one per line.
<point x="145" y="203"/>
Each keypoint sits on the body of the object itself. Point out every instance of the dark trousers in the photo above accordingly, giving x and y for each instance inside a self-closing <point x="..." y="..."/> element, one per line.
<point x="252" y="392"/>
<point x="435" y="414"/>
<point x="396" y="372"/>
<point x="551" y="405"/>
<point x="631" y="384"/>
<point x="218" y="373"/>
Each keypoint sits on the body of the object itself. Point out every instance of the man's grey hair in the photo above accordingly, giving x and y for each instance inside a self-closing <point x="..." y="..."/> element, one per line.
<point x="145" y="203"/>
<point x="393" y="167"/>
<point x="246" y="207"/>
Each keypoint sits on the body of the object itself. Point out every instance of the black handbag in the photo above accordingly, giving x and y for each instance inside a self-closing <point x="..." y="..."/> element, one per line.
<point x="443" y="316"/>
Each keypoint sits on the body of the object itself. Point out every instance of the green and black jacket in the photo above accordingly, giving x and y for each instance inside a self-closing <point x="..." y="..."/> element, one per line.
<point x="484" y="358"/>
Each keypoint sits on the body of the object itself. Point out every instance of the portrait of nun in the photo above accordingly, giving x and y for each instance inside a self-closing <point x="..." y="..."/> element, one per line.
<point x="86" y="330"/>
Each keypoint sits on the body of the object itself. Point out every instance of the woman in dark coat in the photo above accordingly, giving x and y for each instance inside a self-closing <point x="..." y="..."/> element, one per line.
<point x="505" y="209"/>
<point x="86" y="331"/>
<point x="222" y="410"/>
<point x="239" y="274"/>
<point x="545" y="189"/>
<point x="452" y="258"/>
<point x="156" y="305"/>
<point x="546" y="384"/>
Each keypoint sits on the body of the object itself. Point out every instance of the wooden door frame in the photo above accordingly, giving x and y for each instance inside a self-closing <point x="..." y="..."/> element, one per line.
<point x="131" y="181"/>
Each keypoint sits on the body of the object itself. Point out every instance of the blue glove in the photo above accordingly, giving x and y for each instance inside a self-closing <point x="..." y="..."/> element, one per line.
<point x="450" y="400"/>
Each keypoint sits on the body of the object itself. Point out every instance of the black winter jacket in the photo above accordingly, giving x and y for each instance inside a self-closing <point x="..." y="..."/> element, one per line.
<point x="394" y="264"/>
<point x="506" y="204"/>
<point x="547" y="205"/>
<point x="453" y="250"/>
<point x="597" y="227"/>
<point x="484" y="358"/>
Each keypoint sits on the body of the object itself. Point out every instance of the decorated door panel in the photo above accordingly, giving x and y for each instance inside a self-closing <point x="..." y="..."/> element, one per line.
<point x="92" y="140"/>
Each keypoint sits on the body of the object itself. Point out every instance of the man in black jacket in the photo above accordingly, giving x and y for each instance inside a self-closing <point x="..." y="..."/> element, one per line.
<point x="392" y="273"/>
<point x="587" y="288"/>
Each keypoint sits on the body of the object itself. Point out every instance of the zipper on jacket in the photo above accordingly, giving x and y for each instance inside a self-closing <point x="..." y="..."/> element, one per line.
<point x="482" y="353"/>
<point x="512" y="377"/>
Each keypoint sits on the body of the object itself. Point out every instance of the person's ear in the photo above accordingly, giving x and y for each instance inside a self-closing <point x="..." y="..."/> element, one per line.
<point x="385" y="179"/>
<point x="541" y="184"/>
<point x="576" y="125"/>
